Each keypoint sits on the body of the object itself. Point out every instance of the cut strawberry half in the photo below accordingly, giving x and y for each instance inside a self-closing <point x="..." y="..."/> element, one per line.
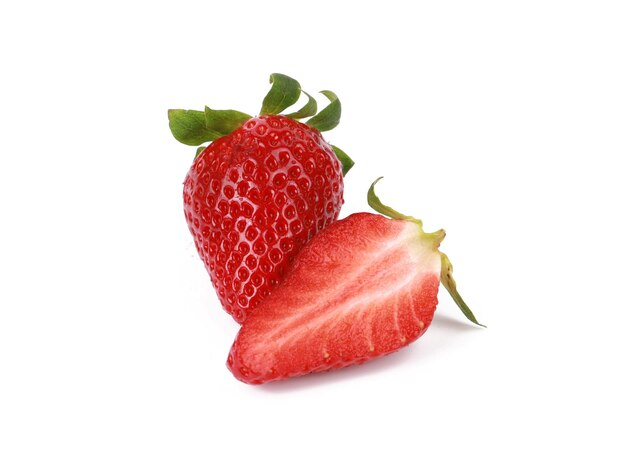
<point x="362" y="288"/>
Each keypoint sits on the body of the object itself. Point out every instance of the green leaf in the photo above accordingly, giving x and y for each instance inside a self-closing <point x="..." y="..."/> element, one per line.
<point x="308" y="110"/>
<point x="284" y="92"/>
<point x="328" y="118"/>
<point x="189" y="127"/>
<point x="196" y="127"/>
<point x="376" y="204"/>
<point x="346" y="161"/>
<point x="448" y="282"/>
<point x="224" y="122"/>
<point x="199" y="151"/>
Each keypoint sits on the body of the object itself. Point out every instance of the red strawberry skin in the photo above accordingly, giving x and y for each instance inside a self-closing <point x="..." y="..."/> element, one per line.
<point x="362" y="288"/>
<point x="252" y="200"/>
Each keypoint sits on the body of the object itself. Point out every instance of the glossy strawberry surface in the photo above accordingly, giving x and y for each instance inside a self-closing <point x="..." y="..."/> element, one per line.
<point x="253" y="198"/>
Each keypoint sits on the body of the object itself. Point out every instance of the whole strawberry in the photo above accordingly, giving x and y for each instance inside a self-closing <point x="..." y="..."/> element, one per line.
<point x="263" y="187"/>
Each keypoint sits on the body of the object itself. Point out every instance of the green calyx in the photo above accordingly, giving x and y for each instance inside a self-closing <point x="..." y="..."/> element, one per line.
<point x="195" y="128"/>
<point x="346" y="162"/>
<point x="328" y="118"/>
<point x="450" y="284"/>
<point x="435" y="238"/>
<point x="284" y="92"/>
<point x="376" y="204"/>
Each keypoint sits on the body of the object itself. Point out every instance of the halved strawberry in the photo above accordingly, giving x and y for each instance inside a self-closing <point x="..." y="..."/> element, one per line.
<point x="362" y="288"/>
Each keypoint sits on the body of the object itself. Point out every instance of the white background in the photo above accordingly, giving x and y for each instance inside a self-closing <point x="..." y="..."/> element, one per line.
<point x="503" y="122"/>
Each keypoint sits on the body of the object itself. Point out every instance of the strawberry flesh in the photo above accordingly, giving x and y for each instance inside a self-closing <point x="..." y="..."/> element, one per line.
<point x="362" y="288"/>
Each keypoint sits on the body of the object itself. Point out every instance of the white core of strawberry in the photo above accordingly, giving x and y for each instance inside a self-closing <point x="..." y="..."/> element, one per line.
<point x="374" y="279"/>
<point x="423" y="247"/>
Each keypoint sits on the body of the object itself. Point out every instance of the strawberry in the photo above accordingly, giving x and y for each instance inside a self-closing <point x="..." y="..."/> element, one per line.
<point x="362" y="288"/>
<point x="260" y="190"/>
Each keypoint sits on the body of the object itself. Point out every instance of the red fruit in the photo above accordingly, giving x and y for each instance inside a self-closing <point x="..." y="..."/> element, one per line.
<point x="362" y="288"/>
<point x="257" y="194"/>
<point x="253" y="199"/>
